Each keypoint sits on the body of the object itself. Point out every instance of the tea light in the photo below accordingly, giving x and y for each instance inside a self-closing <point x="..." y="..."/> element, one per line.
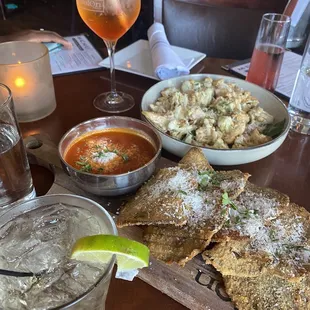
<point x="19" y="82"/>
<point x="25" y="68"/>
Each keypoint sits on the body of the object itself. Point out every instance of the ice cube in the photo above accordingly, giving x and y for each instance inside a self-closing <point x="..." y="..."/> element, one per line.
<point x="126" y="274"/>
<point x="42" y="240"/>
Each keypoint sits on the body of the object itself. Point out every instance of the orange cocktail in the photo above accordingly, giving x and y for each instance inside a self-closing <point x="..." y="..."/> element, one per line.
<point x="110" y="20"/>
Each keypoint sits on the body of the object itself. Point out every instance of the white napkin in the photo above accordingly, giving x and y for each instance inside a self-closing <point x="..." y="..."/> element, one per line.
<point x="166" y="62"/>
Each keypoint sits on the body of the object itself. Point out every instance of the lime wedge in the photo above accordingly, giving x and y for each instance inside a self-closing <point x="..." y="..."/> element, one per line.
<point x="130" y="254"/>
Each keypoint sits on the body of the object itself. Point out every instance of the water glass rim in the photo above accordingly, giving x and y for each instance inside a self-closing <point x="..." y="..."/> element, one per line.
<point x="8" y="99"/>
<point x="79" y="298"/>
<point x="283" y="19"/>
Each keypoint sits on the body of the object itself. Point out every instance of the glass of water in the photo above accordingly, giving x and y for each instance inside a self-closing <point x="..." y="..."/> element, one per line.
<point x="299" y="106"/>
<point x="15" y="176"/>
<point x="37" y="236"/>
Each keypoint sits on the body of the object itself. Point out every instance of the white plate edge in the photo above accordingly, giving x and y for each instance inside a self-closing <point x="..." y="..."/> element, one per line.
<point x="200" y="57"/>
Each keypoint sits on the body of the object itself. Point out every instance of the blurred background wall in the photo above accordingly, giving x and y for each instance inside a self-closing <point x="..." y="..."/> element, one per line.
<point x="220" y="28"/>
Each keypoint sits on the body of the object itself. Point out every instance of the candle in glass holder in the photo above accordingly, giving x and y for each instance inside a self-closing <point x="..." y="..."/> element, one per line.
<point x="25" y="68"/>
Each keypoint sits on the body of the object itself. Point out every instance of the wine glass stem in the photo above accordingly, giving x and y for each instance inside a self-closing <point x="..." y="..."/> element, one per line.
<point x="111" y="51"/>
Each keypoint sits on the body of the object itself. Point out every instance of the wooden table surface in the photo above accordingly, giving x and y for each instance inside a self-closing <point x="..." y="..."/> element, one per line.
<point x="287" y="170"/>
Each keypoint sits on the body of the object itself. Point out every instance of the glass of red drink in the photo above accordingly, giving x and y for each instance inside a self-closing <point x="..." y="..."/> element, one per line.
<point x="269" y="50"/>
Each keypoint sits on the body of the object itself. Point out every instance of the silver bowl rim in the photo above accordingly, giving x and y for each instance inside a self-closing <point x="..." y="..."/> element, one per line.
<point x="112" y="117"/>
<point x="283" y="134"/>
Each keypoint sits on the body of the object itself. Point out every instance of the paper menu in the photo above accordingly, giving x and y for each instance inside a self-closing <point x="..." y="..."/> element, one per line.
<point x="288" y="73"/>
<point x="83" y="56"/>
<point x="290" y="66"/>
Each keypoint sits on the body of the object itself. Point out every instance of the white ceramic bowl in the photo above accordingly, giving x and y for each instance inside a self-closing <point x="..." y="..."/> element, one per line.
<point x="268" y="102"/>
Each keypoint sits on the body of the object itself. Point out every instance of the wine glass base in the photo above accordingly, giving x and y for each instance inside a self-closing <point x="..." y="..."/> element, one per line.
<point x="114" y="102"/>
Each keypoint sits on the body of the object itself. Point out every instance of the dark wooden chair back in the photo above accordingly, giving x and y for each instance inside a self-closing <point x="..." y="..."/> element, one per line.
<point x="219" y="28"/>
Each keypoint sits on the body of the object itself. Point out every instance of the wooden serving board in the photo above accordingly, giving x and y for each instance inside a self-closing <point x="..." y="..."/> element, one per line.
<point x="197" y="286"/>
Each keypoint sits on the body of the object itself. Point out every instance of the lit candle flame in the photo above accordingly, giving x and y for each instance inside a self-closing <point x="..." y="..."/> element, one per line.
<point x="20" y="82"/>
<point x="128" y="64"/>
<point x="19" y="62"/>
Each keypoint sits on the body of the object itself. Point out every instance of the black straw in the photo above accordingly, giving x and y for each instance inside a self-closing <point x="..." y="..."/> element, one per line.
<point x="11" y="273"/>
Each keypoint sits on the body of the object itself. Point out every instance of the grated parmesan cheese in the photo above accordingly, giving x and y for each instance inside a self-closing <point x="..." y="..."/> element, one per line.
<point x="197" y="205"/>
<point x="105" y="158"/>
<point x="270" y="231"/>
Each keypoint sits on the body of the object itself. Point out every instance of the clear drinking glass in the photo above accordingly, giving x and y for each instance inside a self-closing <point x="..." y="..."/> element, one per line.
<point x="299" y="106"/>
<point x="110" y="20"/>
<point x="299" y="23"/>
<point x="37" y="236"/>
<point x="15" y="176"/>
<point x="269" y="50"/>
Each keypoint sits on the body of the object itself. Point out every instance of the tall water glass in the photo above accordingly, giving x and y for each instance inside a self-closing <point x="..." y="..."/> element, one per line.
<point x="110" y="20"/>
<point x="269" y="50"/>
<point x="299" y="107"/>
<point x="15" y="176"/>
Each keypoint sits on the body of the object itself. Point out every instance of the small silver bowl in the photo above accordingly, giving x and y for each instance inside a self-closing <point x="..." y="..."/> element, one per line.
<point x="110" y="185"/>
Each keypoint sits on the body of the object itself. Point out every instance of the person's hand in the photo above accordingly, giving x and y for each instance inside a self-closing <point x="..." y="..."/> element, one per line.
<point x="38" y="36"/>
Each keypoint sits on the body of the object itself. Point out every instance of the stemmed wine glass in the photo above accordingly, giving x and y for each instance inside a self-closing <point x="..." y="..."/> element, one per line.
<point x="110" y="20"/>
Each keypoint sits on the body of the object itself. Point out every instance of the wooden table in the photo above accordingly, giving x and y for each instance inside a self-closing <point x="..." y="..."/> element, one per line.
<point x="287" y="170"/>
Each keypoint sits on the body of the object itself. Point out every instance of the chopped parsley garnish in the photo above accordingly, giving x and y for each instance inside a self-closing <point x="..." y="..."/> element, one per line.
<point x="223" y="211"/>
<point x="182" y="192"/>
<point x="208" y="173"/>
<point x="295" y="247"/>
<point x="227" y="223"/>
<point x="255" y="212"/>
<point x="238" y="220"/>
<point x="101" y="152"/>
<point x="100" y="169"/>
<point x="248" y="213"/>
<point x="84" y="165"/>
<point x="86" y="168"/>
<point x="243" y="215"/>
<point x="125" y="157"/>
<point x="80" y="163"/>
<point x="113" y="151"/>
<point x="272" y="235"/>
<point x="207" y="178"/>
<point x="227" y="202"/>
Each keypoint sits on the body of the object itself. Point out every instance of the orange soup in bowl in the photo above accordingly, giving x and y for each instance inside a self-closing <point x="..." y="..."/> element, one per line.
<point x="110" y="151"/>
